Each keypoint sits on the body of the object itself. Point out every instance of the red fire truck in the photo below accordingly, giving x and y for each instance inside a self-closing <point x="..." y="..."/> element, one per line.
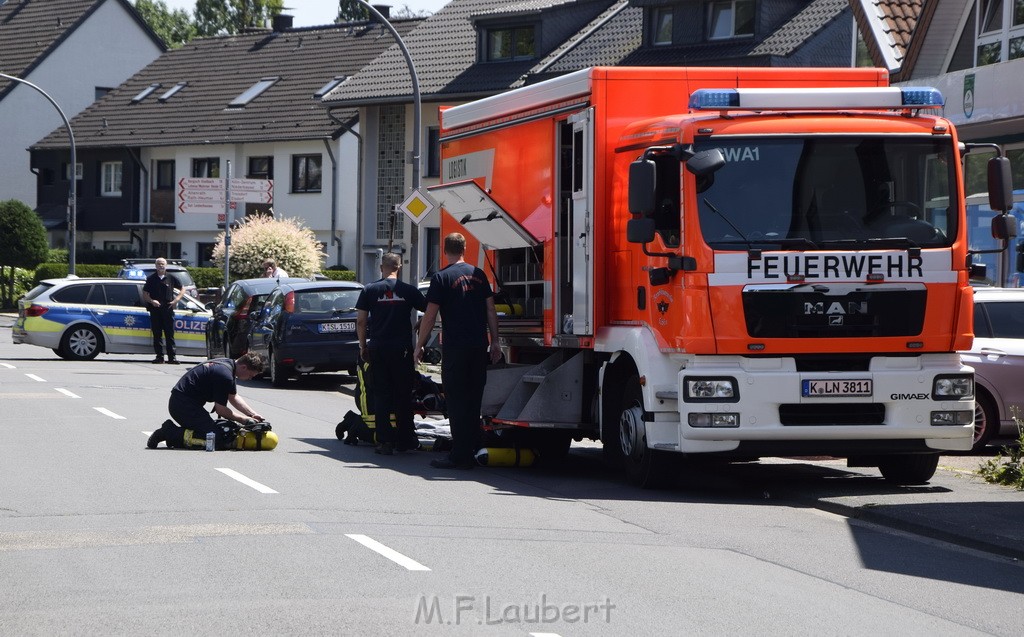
<point x="737" y="262"/>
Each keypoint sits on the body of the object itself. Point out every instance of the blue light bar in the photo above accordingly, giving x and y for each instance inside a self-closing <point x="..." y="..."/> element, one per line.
<point x="815" y="98"/>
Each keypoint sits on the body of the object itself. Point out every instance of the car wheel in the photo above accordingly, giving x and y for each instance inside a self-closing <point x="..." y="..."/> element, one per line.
<point x="645" y="467"/>
<point x="278" y="372"/>
<point x="81" y="343"/>
<point x="986" y="420"/>
<point x="909" y="469"/>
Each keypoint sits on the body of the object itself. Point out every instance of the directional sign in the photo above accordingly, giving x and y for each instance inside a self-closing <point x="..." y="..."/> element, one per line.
<point x="252" y="190"/>
<point x="208" y="195"/>
<point x="417" y="205"/>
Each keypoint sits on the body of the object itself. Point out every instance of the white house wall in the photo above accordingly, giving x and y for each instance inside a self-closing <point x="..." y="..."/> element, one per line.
<point x="87" y="59"/>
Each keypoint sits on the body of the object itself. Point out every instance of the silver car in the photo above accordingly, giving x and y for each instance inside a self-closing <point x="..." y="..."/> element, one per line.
<point x="997" y="357"/>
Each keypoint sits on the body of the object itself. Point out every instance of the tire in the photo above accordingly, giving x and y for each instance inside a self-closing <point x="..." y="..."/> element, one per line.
<point x="81" y="343"/>
<point x="986" y="420"/>
<point x="278" y="372"/>
<point x="645" y="467"/>
<point x="909" y="469"/>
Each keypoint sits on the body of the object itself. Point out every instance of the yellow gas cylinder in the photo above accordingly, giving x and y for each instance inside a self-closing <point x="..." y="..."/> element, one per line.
<point x="505" y="457"/>
<point x="247" y="440"/>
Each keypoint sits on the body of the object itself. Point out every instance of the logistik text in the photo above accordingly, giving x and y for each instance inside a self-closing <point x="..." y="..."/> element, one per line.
<point x="834" y="266"/>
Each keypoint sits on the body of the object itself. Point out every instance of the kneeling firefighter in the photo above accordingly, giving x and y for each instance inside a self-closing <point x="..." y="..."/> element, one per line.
<point x="214" y="381"/>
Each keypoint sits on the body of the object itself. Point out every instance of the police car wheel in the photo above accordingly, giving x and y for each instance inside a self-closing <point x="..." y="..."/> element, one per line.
<point x="81" y="343"/>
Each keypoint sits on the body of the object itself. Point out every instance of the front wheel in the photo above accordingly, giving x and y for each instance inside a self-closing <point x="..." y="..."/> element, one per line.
<point x="81" y="343"/>
<point x="909" y="469"/>
<point x="645" y="467"/>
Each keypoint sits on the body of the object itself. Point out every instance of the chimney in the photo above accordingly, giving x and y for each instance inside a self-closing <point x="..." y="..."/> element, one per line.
<point x="282" y="22"/>
<point x="384" y="10"/>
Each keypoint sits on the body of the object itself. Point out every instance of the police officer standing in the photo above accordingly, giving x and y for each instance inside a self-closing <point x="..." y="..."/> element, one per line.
<point x="161" y="293"/>
<point x="384" y="314"/>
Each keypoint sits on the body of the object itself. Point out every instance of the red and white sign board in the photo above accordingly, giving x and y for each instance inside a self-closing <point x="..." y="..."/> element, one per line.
<point x="208" y="195"/>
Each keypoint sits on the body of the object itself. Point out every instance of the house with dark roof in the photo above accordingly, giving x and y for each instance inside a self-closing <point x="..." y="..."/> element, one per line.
<point x="243" y="106"/>
<point x="63" y="47"/>
<point x="476" y="48"/>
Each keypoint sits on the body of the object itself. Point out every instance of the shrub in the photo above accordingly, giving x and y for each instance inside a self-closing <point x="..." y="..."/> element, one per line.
<point x="339" y="275"/>
<point x="58" y="255"/>
<point x="207" y="277"/>
<point x="60" y="270"/>
<point x="286" y="240"/>
<point x="1007" y="467"/>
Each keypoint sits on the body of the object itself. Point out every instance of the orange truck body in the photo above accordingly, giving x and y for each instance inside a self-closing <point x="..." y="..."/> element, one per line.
<point x="809" y="336"/>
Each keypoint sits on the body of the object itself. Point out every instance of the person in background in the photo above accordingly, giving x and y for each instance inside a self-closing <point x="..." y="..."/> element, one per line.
<point x="209" y="382"/>
<point x="272" y="271"/>
<point x="161" y="293"/>
<point x="463" y="296"/>
<point x="384" y="315"/>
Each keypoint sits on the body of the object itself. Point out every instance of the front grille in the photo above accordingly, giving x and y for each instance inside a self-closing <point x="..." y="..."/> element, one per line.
<point x="810" y="314"/>
<point x="826" y="414"/>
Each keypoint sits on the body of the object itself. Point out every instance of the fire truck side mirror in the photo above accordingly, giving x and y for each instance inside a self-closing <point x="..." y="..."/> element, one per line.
<point x="643" y="182"/>
<point x="640" y="230"/>
<point x="1004" y="227"/>
<point x="1000" y="184"/>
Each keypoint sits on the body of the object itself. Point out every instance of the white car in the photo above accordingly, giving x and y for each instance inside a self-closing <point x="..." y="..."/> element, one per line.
<point x="997" y="357"/>
<point x="79" y="318"/>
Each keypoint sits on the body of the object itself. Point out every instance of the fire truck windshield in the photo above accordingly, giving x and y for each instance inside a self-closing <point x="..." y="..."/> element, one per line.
<point x="826" y="192"/>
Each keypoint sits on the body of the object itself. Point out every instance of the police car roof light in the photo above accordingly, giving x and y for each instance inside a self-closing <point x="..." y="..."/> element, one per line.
<point x="832" y="98"/>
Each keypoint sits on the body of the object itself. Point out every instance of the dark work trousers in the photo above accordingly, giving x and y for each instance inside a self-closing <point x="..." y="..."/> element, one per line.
<point x="463" y="376"/>
<point x="161" y="321"/>
<point x="190" y="414"/>
<point x="393" y="372"/>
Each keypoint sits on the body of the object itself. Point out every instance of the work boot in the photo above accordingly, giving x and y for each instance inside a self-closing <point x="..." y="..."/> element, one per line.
<point x="159" y="360"/>
<point x="385" y="449"/>
<point x="160" y="435"/>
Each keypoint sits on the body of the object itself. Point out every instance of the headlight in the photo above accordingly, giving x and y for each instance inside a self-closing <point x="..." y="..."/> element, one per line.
<point x="953" y="387"/>
<point x="710" y="390"/>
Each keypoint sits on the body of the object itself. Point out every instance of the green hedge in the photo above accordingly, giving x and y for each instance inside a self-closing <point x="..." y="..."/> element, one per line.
<point x="340" y="275"/>
<point x="82" y="270"/>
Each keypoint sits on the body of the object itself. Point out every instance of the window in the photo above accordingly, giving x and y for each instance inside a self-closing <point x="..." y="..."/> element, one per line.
<point x="167" y="250"/>
<point x="433" y="151"/>
<point x="330" y="86"/>
<point x="100" y="91"/>
<point x="252" y="92"/>
<point x="110" y="179"/>
<point x="165" y="174"/>
<point x="206" y="167"/>
<point x="515" y="43"/>
<point x="730" y="19"/>
<point x="67" y="171"/>
<point x="125" y="295"/>
<point x="74" y="294"/>
<point x="306" y="173"/>
<point x="661" y="26"/>
<point x="205" y="254"/>
<point x="261" y="168"/>
<point x="1000" y="31"/>
<point x="171" y="91"/>
<point x="144" y="93"/>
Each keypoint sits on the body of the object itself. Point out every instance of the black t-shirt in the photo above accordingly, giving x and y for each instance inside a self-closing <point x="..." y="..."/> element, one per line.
<point x="162" y="291"/>
<point x="390" y="303"/>
<point x="209" y="382"/>
<point x="461" y="291"/>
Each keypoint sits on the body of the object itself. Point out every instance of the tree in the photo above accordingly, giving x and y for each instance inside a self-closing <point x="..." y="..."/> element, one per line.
<point x="219" y="17"/>
<point x="22" y="243"/>
<point x="258" y="237"/>
<point x="351" y="11"/>
<point x="174" y="26"/>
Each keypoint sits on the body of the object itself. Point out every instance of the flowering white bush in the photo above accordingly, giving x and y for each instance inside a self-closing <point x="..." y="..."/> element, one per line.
<point x="259" y="237"/>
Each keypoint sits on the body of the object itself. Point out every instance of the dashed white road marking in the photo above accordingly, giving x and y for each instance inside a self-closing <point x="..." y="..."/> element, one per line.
<point x="107" y="412"/>
<point x="262" y="488"/>
<point x="545" y="635"/>
<point x="36" y="378"/>
<point x="8" y="366"/>
<point x="68" y="393"/>
<point x="388" y="552"/>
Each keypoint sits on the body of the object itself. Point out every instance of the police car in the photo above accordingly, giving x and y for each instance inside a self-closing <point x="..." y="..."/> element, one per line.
<point x="139" y="269"/>
<point x="79" y="318"/>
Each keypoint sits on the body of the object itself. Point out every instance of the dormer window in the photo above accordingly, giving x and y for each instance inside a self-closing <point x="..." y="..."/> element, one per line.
<point x="144" y="93"/>
<point x="730" y="19"/>
<point x="253" y="92"/>
<point x="661" y="26"/>
<point x="507" y="44"/>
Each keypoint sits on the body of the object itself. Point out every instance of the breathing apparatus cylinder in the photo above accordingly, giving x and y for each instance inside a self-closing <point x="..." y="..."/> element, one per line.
<point x="505" y="457"/>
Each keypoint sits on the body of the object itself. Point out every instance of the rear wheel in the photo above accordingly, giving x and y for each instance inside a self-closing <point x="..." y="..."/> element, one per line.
<point x="986" y="420"/>
<point x="81" y="343"/>
<point x="909" y="469"/>
<point x="645" y="467"/>
<point x="278" y="372"/>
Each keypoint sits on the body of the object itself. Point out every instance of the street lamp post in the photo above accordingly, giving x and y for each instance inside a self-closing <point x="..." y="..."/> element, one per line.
<point x="416" y="114"/>
<point x="72" y="194"/>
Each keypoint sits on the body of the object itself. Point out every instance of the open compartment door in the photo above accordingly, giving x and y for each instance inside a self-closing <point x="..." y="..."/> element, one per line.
<point x="467" y="203"/>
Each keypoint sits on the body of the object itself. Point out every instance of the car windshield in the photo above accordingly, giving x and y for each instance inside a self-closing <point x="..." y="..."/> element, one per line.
<point x="325" y="301"/>
<point x="807" y="193"/>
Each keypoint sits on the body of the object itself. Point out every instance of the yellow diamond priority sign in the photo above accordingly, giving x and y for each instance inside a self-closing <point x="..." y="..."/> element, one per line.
<point x="417" y="205"/>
